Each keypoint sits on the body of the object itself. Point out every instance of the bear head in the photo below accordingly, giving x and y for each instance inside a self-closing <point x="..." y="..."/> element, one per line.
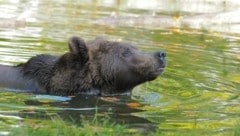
<point x="113" y="67"/>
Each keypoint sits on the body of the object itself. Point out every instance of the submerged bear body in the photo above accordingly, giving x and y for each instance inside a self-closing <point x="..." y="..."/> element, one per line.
<point x="99" y="67"/>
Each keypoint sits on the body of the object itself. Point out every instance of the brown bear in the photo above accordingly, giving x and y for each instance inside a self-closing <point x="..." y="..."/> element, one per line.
<point x="99" y="67"/>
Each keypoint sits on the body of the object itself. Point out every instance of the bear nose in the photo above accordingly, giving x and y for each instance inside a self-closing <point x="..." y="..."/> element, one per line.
<point x="162" y="54"/>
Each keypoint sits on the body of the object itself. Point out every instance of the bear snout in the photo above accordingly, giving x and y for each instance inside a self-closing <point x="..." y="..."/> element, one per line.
<point x="161" y="56"/>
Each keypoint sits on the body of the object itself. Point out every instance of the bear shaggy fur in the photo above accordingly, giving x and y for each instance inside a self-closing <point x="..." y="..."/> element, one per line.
<point x="99" y="67"/>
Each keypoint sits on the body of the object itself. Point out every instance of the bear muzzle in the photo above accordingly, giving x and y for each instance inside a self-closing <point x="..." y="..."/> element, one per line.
<point x="161" y="56"/>
<point x="158" y="65"/>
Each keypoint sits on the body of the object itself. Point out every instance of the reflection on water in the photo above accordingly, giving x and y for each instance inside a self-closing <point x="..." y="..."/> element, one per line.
<point x="198" y="92"/>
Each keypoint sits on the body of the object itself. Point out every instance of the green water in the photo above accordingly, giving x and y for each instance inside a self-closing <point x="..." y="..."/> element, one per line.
<point x="198" y="94"/>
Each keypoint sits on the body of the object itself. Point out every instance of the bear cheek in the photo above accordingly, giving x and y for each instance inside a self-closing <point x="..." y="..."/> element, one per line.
<point x="131" y="73"/>
<point x="126" y="79"/>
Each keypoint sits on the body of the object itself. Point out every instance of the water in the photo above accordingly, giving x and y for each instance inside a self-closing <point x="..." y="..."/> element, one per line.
<point x="198" y="94"/>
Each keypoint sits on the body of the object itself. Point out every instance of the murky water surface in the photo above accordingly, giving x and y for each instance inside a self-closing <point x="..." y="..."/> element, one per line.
<point x="198" y="93"/>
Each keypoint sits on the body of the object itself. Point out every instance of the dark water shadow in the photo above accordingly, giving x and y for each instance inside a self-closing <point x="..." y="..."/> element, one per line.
<point x="119" y="109"/>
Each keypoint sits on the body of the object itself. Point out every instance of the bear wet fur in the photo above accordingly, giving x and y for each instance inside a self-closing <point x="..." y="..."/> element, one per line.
<point x="99" y="67"/>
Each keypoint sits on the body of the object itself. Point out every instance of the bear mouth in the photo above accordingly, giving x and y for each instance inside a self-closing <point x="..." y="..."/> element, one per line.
<point x="154" y="74"/>
<point x="159" y="70"/>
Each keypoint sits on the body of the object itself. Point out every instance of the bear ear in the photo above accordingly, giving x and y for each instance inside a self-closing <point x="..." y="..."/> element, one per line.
<point x="77" y="46"/>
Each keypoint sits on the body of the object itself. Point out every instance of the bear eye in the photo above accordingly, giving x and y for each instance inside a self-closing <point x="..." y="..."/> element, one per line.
<point x="126" y="53"/>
